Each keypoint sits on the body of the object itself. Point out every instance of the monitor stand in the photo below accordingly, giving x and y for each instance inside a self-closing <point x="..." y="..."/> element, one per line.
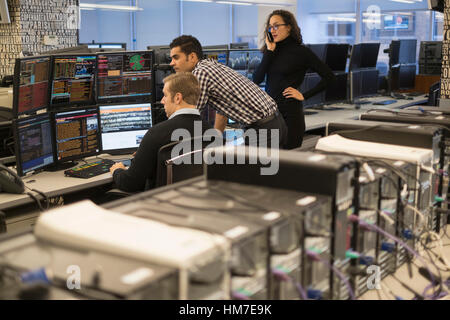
<point x="62" y="166"/>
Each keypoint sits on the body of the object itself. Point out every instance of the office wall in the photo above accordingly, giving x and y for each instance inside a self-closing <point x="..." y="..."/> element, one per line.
<point x="208" y="22"/>
<point x="106" y="26"/>
<point x="31" y="20"/>
<point x="158" y="24"/>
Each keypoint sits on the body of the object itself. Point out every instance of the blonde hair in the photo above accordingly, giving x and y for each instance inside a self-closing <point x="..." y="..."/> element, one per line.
<point x="186" y="84"/>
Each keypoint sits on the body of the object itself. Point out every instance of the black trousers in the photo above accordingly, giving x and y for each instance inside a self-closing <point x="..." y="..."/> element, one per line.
<point x="276" y="129"/>
<point x="292" y="111"/>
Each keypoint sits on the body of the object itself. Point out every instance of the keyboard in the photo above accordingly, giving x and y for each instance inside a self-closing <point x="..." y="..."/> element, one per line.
<point x="91" y="169"/>
<point x="384" y="102"/>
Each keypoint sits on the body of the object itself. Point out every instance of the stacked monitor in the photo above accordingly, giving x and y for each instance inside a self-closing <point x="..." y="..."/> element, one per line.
<point x="245" y="61"/>
<point x="34" y="146"/>
<point x="402" y="64"/>
<point x="430" y="57"/>
<point x="124" y="76"/>
<point x="336" y="58"/>
<point x="363" y="74"/>
<point x="73" y="80"/>
<point x="220" y="56"/>
<point x="31" y="85"/>
<point x="94" y="103"/>
<point x="123" y="126"/>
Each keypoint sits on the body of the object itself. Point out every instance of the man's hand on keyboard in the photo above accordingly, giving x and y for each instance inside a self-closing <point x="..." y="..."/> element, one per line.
<point x="118" y="165"/>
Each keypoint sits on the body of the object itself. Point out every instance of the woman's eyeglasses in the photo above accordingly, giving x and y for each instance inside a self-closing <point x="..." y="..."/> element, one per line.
<point x="275" y="27"/>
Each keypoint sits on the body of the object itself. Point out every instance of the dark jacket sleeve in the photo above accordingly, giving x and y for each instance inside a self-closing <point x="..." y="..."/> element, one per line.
<point x="326" y="74"/>
<point x="260" y="72"/>
<point x="143" y="166"/>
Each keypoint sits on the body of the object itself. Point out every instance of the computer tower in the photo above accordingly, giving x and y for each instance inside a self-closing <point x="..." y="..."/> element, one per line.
<point x="201" y="259"/>
<point x="309" y="172"/>
<point x="418" y="136"/>
<point x="261" y="223"/>
<point x="101" y="275"/>
<point x="418" y="178"/>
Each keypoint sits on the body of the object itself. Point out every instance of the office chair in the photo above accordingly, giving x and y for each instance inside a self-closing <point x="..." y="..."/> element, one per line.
<point x="182" y="167"/>
<point x="168" y="168"/>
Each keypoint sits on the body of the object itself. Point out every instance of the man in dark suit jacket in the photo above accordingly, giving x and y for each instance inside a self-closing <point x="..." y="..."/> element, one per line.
<point x="181" y="93"/>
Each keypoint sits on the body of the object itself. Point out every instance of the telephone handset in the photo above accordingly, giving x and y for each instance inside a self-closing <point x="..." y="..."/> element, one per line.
<point x="269" y="36"/>
<point x="10" y="182"/>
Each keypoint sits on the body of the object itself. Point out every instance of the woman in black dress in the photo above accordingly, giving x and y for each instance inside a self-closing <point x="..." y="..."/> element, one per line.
<point x="285" y="62"/>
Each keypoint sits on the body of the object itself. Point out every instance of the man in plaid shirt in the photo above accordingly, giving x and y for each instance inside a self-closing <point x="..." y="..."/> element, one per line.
<point x="231" y="94"/>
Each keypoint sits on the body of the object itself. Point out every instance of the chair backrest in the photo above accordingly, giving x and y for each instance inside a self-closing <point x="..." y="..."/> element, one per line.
<point x="189" y="164"/>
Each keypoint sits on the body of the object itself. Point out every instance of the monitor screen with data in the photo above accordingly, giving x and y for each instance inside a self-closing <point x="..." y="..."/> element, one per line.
<point x="123" y="126"/>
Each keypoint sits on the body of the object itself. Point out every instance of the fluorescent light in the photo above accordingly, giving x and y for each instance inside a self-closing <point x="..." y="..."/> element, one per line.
<point x="236" y="3"/>
<point x="93" y="6"/>
<point x="342" y="19"/>
<point x="403" y="1"/>
<point x="245" y="2"/>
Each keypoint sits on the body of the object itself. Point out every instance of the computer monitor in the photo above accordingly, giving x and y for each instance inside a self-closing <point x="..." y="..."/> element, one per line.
<point x="111" y="45"/>
<point x="73" y="81"/>
<point x="123" y="126"/>
<point x="369" y="54"/>
<point x="161" y="53"/>
<point x="408" y="51"/>
<point x="355" y="85"/>
<point x="311" y="80"/>
<point x="125" y="76"/>
<point x="31" y="83"/>
<point x="336" y="56"/>
<point x="245" y="61"/>
<point x="320" y="50"/>
<point x="402" y="51"/>
<point x="34" y="145"/>
<point x="355" y="57"/>
<point x="220" y="56"/>
<point x="254" y="60"/>
<point x="337" y="91"/>
<point x="403" y="77"/>
<point x="239" y="45"/>
<point x="216" y="47"/>
<point x="77" y="134"/>
<point x="82" y="48"/>
<point x="238" y="61"/>
<point x="369" y="82"/>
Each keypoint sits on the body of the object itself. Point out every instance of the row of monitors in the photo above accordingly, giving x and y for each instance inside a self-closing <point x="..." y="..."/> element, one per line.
<point x="363" y="55"/>
<point x="49" y="139"/>
<point x="357" y="84"/>
<point x="348" y="87"/>
<point x="243" y="61"/>
<point x="62" y="81"/>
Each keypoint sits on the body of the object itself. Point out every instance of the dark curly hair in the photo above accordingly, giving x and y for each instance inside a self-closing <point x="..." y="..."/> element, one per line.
<point x="288" y="19"/>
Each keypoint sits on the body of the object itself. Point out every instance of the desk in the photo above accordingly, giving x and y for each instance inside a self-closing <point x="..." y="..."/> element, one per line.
<point x="319" y="120"/>
<point x="21" y="207"/>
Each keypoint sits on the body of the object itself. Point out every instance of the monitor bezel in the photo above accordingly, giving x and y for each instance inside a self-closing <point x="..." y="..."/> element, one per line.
<point x="132" y="99"/>
<point x="16" y="86"/>
<point x="124" y="150"/>
<point x="15" y="124"/>
<point x="62" y="106"/>
<point x="78" y="157"/>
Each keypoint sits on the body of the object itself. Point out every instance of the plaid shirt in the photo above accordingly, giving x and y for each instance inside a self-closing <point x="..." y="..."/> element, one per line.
<point x="231" y="94"/>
